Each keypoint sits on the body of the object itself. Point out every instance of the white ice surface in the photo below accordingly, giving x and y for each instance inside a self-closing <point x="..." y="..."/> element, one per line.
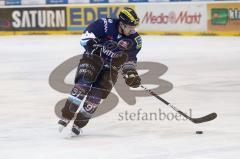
<point x="205" y="72"/>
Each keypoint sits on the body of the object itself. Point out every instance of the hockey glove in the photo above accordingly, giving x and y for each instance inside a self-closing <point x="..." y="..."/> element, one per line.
<point x="132" y="78"/>
<point x="93" y="46"/>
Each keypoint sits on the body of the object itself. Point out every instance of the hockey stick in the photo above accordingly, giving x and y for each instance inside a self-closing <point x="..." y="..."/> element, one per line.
<point x="206" y="118"/>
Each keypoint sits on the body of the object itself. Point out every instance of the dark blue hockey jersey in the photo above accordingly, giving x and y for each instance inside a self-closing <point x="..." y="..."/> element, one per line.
<point x="106" y="29"/>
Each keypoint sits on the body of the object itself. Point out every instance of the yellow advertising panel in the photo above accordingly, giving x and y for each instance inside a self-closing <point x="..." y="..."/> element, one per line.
<point x="79" y="17"/>
<point x="224" y="17"/>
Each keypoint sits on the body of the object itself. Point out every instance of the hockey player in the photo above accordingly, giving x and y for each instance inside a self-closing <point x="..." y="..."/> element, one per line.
<point x="110" y="45"/>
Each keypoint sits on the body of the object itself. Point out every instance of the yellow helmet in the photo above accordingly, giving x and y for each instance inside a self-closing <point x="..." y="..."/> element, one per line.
<point x="128" y="16"/>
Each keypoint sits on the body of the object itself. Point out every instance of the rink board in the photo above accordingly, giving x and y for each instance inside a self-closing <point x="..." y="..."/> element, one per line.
<point x="200" y="18"/>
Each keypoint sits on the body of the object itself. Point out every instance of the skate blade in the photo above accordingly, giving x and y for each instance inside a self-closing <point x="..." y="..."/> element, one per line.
<point x="73" y="135"/>
<point x="66" y="133"/>
<point x="60" y="128"/>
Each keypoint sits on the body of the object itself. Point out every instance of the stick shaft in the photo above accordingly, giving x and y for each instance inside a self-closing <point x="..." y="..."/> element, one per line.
<point x="206" y="118"/>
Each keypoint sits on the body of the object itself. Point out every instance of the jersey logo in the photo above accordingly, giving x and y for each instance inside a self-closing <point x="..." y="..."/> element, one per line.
<point x="105" y="25"/>
<point x="138" y="40"/>
<point x="107" y="52"/>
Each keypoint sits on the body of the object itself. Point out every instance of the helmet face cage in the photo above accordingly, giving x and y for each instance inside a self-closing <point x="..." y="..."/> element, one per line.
<point x="128" y="16"/>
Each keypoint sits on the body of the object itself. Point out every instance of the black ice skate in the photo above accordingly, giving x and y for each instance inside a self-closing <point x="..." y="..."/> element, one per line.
<point x="62" y="124"/>
<point x="76" y="130"/>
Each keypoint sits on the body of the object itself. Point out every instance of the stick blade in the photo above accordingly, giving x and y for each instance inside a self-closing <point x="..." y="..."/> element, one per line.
<point x="206" y="118"/>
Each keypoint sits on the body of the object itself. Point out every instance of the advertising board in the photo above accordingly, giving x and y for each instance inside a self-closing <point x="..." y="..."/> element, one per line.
<point x="224" y="17"/>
